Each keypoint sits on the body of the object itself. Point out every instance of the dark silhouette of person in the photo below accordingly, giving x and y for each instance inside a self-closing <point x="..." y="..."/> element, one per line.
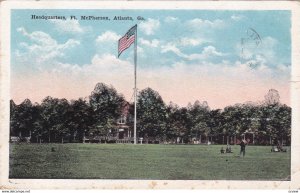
<point x="243" y="148"/>
<point x="222" y="150"/>
<point x="228" y="149"/>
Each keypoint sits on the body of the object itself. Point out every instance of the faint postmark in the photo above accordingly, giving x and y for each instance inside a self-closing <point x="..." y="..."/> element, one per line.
<point x="250" y="44"/>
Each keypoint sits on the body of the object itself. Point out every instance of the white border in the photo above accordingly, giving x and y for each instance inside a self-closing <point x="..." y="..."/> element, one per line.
<point x="6" y="183"/>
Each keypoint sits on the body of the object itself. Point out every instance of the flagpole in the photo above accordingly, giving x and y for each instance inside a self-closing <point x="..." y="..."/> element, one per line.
<point x="135" y="90"/>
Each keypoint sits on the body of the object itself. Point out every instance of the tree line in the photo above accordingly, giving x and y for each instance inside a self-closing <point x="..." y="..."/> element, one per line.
<point x="60" y="120"/>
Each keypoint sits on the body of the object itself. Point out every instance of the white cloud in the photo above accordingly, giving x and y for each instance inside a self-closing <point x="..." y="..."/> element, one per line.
<point x="171" y="19"/>
<point x="170" y="47"/>
<point x="140" y="50"/>
<point x="190" y="41"/>
<point x="69" y="44"/>
<point x="150" y="26"/>
<point x="182" y="42"/>
<point x="101" y="66"/>
<point x="259" y="54"/>
<point x="237" y="17"/>
<point x="151" y="43"/>
<point x="107" y="62"/>
<point x="108" y="36"/>
<point x="38" y="37"/>
<point x="43" y="48"/>
<point x="207" y="52"/>
<point x="199" y="23"/>
<point x="69" y="26"/>
<point x="211" y="51"/>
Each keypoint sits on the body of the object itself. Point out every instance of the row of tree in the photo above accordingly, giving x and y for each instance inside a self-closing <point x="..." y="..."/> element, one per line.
<point x="57" y="120"/>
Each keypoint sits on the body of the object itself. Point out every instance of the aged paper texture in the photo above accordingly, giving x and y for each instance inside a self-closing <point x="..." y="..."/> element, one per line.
<point x="150" y="95"/>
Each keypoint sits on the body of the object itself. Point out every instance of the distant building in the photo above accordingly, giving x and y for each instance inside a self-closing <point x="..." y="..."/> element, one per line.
<point x="121" y="133"/>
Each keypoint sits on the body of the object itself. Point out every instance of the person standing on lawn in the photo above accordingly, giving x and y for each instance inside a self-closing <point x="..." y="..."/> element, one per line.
<point x="243" y="148"/>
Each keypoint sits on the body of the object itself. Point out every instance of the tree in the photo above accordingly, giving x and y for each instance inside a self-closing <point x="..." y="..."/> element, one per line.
<point x="278" y="123"/>
<point x="48" y="116"/>
<point x="38" y="128"/>
<point x="177" y="123"/>
<point x="81" y="119"/>
<point x="251" y="120"/>
<point x="107" y="106"/>
<point x="171" y="132"/>
<point x="25" y="120"/>
<point x="283" y="118"/>
<point x="275" y="118"/>
<point x="62" y="120"/>
<point x="214" y="122"/>
<point x="272" y="97"/>
<point x="14" y="125"/>
<point x="232" y="121"/>
<point x="199" y="116"/>
<point x="151" y="114"/>
<point x="56" y="119"/>
<point x="54" y="114"/>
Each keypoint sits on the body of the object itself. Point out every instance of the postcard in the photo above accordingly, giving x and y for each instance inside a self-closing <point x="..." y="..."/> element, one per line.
<point x="104" y="95"/>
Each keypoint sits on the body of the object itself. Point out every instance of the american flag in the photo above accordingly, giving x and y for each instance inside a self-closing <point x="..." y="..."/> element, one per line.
<point x="126" y="41"/>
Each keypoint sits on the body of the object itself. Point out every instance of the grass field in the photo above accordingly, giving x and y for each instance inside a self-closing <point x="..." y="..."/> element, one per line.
<point x="118" y="161"/>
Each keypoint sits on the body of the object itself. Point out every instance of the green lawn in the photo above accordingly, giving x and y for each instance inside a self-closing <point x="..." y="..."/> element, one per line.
<point x="118" y="161"/>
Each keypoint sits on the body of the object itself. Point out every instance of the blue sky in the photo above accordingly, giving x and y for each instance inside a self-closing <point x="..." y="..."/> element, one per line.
<point x="186" y="47"/>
